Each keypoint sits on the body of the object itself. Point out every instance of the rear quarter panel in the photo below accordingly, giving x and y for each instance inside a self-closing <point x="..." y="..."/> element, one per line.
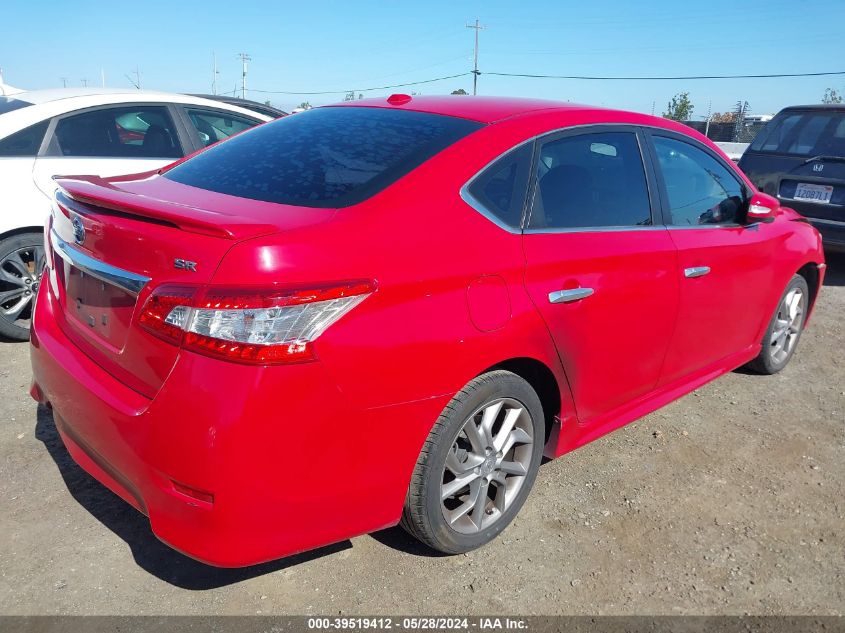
<point x="414" y="338"/>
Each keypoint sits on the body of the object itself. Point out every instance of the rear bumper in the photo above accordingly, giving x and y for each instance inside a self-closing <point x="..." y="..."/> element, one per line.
<point x="833" y="233"/>
<point x="288" y="464"/>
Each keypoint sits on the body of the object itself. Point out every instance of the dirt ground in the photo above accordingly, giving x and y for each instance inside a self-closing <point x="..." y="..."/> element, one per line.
<point x="729" y="501"/>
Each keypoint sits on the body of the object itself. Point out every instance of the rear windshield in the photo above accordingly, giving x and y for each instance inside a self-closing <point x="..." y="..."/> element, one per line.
<point x="810" y="133"/>
<point x="7" y="104"/>
<point x="326" y="157"/>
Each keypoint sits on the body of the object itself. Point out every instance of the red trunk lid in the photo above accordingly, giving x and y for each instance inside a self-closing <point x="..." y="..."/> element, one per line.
<point x="116" y="240"/>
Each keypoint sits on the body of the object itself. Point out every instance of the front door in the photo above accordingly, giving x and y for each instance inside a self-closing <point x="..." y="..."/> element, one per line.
<point x="725" y="269"/>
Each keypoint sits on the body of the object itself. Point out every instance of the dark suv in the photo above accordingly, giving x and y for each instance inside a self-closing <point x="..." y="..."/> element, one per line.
<point x="800" y="158"/>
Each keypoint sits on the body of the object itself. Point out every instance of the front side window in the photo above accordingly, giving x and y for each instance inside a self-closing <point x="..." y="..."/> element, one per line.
<point x="700" y="189"/>
<point x="216" y="125"/>
<point x="501" y="188"/>
<point x="591" y="180"/>
<point x="125" y="132"/>
<point x="24" y="143"/>
<point x="326" y="157"/>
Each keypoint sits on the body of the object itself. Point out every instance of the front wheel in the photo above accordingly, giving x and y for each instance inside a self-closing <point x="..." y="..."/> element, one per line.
<point x="21" y="264"/>
<point x="785" y="328"/>
<point x="477" y="465"/>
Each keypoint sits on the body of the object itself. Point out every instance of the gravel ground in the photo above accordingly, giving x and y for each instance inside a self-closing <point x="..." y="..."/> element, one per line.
<point x="729" y="501"/>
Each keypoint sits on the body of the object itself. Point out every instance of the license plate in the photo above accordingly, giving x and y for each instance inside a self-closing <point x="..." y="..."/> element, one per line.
<point x="813" y="193"/>
<point x="103" y="308"/>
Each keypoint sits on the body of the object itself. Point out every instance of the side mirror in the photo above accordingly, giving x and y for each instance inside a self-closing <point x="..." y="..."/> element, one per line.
<point x="761" y="208"/>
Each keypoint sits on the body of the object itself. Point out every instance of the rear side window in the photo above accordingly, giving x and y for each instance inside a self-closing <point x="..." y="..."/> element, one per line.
<point x="700" y="189"/>
<point x="24" y="143"/>
<point x="326" y="157"/>
<point x="591" y="180"/>
<point x="500" y="189"/>
<point x="216" y="125"/>
<point x="816" y="133"/>
<point x="125" y="132"/>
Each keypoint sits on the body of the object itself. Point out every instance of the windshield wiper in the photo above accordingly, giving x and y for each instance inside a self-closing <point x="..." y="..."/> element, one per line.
<point x="837" y="159"/>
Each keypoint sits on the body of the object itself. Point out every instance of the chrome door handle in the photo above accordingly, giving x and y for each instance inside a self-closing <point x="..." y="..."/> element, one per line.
<point x="568" y="296"/>
<point x="696" y="271"/>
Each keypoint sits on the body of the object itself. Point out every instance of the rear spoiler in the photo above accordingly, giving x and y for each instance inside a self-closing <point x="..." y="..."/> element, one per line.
<point x="104" y="196"/>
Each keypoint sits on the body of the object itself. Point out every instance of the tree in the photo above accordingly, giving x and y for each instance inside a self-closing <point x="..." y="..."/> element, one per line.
<point x="720" y="117"/>
<point x="459" y="91"/>
<point x="304" y="106"/>
<point x="350" y="96"/>
<point x="831" y="96"/>
<point x="680" y="108"/>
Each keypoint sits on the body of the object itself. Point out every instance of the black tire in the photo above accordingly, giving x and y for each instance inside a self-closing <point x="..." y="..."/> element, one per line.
<point x="21" y="263"/>
<point x="423" y="517"/>
<point x="767" y="362"/>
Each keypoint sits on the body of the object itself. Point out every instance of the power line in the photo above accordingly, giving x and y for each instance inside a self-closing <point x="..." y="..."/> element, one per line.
<point x="344" y="91"/>
<point x="532" y="76"/>
<point x="688" y="77"/>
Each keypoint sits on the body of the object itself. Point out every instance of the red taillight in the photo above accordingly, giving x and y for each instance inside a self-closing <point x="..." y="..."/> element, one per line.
<point x="251" y="325"/>
<point x="160" y="305"/>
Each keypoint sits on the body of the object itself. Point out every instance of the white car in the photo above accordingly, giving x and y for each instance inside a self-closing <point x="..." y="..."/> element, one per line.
<point x="104" y="132"/>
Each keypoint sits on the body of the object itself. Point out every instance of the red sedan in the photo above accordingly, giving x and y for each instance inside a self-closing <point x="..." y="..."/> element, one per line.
<point x="388" y="311"/>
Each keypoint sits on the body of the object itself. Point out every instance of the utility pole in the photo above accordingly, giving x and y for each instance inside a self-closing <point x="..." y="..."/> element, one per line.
<point x="244" y="59"/>
<point x="64" y="81"/>
<point x="84" y="83"/>
<point x="475" y="72"/>
<point x="214" y="75"/>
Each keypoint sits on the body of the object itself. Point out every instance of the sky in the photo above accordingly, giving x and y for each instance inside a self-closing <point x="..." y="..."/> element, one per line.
<point x="327" y="45"/>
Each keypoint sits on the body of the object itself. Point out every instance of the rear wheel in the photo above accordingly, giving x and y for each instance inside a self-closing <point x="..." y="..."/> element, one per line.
<point x="477" y="465"/>
<point x="21" y="263"/>
<point x="785" y="329"/>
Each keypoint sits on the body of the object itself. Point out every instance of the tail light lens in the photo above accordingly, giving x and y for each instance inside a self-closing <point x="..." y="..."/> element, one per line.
<point x="262" y="326"/>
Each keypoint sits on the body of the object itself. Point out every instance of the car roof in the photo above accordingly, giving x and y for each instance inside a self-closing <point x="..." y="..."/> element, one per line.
<point x="46" y="104"/>
<point x="481" y="109"/>
<point x="249" y="104"/>
<point x="816" y="106"/>
<point x="55" y="94"/>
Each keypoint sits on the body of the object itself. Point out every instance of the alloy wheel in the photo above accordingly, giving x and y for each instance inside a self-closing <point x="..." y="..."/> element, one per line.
<point x="788" y="322"/>
<point x="20" y="274"/>
<point x="486" y="465"/>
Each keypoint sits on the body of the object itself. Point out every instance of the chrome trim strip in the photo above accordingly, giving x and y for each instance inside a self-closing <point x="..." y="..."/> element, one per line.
<point x="568" y="296"/>
<point x="128" y="281"/>
<point x="598" y="229"/>
<point x="467" y="197"/>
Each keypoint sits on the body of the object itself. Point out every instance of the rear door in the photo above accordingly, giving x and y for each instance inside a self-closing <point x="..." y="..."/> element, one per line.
<point x="599" y="267"/>
<point x="725" y="267"/>
<point x="110" y="141"/>
<point x="17" y="161"/>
